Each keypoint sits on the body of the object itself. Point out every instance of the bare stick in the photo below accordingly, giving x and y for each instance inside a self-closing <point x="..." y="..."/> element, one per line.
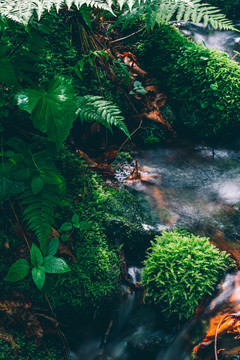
<point x="19" y="224"/>
<point x="130" y="136"/>
<point x="128" y="36"/>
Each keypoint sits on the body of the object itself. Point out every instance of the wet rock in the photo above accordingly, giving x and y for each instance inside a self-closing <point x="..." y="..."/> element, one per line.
<point x="148" y="344"/>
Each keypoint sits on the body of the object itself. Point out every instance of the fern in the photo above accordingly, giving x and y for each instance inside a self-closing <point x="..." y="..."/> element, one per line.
<point x="39" y="213"/>
<point x="162" y="11"/>
<point x="95" y="108"/>
<point x="155" y="10"/>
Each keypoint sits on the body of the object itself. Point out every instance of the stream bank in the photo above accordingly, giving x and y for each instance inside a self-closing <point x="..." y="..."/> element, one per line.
<point x="195" y="188"/>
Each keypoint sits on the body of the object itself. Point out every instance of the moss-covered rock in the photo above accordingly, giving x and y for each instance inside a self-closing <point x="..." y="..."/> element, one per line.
<point x="26" y="349"/>
<point x="124" y="224"/>
<point x="180" y="268"/>
<point x="92" y="286"/>
<point x="202" y="84"/>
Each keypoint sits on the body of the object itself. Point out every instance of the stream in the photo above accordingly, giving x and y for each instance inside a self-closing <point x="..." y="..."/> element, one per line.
<point x="196" y="188"/>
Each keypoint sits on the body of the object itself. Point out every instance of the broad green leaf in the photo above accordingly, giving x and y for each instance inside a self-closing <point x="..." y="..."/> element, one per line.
<point x="37" y="184"/>
<point x="75" y="219"/>
<point x="52" y="111"/>
<point x="67" y="226"/>
<point x="36" y="256"/>
<point x="64" y="237"/>
<point x="18" y="271"/>
<point x="38" y="275"/>
<point x="52" y="246"/>
<point x="54" y="265"/>
<point x="52" y="178"/>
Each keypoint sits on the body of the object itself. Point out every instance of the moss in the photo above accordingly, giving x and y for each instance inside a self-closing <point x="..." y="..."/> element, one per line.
<point x="92" y="286"/>
<point x="180" y="268"/>
<point x="28" y="350"/>
<point x="203" y="85"/>
<point x="124" y="220"/>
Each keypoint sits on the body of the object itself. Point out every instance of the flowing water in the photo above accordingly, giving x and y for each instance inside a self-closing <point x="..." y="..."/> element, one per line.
<point x="226" y="41"/>
<point x="197" y="188"/>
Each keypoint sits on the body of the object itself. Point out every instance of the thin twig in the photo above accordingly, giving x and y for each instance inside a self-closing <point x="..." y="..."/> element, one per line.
<point x="19" y="224"/>
<point x="130" y="136"/>
<point x="50" y="307"/>
<point x="128" y="36"/>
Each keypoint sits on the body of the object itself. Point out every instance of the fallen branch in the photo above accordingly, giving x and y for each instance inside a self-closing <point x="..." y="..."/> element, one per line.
<point x="139" y="127"/>
<point x="86" y="158"/>
<point x="128" y="36"/>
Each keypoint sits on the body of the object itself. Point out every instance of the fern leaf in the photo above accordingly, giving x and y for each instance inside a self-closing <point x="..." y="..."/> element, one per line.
<point x="39" y="213"/>
<point x="22" y="10"/>
<point x="95" y="108"/>
<point x="166" y="10"/>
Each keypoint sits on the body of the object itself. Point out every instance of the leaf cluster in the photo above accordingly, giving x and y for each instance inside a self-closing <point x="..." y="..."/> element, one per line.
<point x="49" y="264"/>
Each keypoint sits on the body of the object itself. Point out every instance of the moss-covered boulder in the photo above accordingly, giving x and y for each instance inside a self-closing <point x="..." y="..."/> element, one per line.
<point x="202" y="84"/>
<point x="180" y="268"/>
<point x="26" y="349"/>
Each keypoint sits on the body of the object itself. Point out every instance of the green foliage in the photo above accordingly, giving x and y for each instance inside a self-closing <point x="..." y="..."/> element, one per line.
<point x="180" y="268"/>
<point x="49" y="264"/>
<point x="94" y="279"/>
<point x="28" y="350"/>
<point x="89" y="59"/>
<point x="52" y="246"/>
<point x="36" y="256"/>
<point x="54" y="265"/>
<point x="203" y="84"/>
<point x="121" y="71"/>
<point x="53" y="110"/>
<point x="154" y="11"/>
<point x="162" y="11"/>
<point x="18" y="271"/>
<point x="95" y="108"/>
<point x="138" y="88"/>
<point x="39" y="213"/>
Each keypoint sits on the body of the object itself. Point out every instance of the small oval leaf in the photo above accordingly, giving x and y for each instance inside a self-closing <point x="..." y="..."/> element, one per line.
<point x="54" y="265"/>
<point x="36" y="256"/>
<point x="52" y="246"/>
<point x="38" y="275"/>
<point x="18" y="271"/>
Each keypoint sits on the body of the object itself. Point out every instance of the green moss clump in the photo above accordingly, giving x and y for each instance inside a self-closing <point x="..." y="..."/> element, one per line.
<point x="203" y="85"/>
<point x="180" y="268"/>
<point x="28" y="350"/>
<point x="92" y="286"/>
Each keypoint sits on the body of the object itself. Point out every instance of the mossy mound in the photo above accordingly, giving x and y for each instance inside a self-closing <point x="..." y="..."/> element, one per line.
<point x="92" y="286"/>
<point x="180" y="268"/>
<point x="26" y="349"/>
<point x="203" y="85"/>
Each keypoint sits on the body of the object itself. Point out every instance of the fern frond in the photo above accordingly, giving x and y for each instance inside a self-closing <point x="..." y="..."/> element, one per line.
<point x="22" y="10"/>
<point x="161" y="11"/>
<point x="39" y="213"/>
<point x="95" y="108"/>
